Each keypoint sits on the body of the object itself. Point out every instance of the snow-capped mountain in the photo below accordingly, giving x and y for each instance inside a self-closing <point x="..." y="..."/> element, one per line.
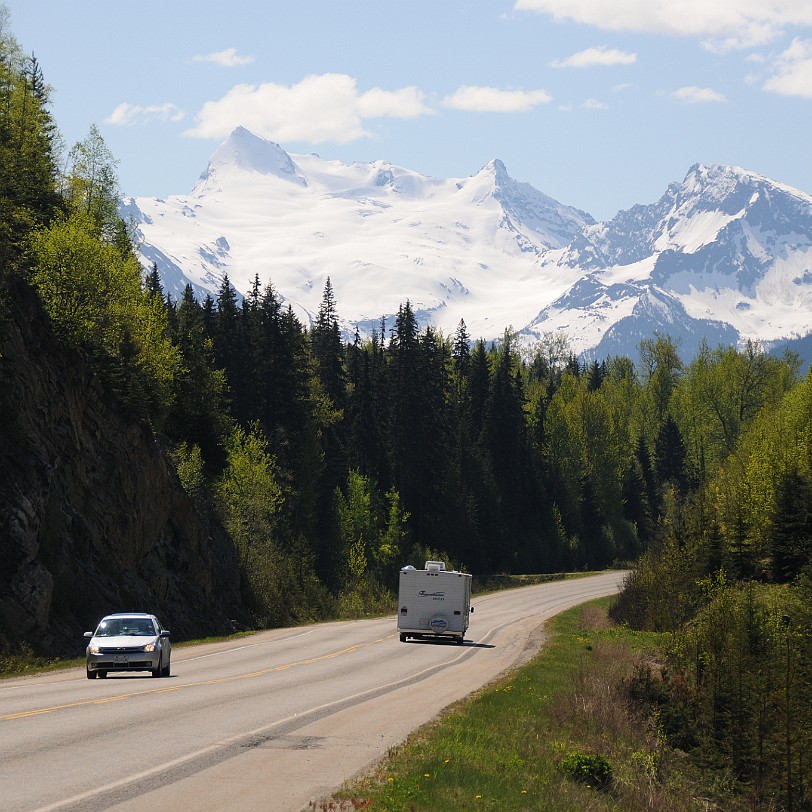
<point x="725" y="256"/>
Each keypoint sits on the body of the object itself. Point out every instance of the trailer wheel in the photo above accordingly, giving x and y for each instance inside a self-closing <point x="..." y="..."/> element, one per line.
<point x="460" y="641"/>
<point x="403" y="638"/>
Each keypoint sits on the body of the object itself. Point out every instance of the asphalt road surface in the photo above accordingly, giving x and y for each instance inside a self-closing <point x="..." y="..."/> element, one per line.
<point x="266" y="722"/>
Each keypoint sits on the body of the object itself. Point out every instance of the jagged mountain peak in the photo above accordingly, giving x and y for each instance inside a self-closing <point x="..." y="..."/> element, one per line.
<point x="714" y="202"/>
<point x="535" y="217"/>
<point x="730" y="189"/>
<point x="497" y="169"/>
<point x="245" y="151"/>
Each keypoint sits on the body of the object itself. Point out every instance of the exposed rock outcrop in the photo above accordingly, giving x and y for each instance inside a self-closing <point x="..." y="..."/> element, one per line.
<point x="93" y="518"/>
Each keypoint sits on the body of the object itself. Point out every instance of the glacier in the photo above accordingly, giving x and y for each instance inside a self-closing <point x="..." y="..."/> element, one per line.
<point x="725" y="256"/>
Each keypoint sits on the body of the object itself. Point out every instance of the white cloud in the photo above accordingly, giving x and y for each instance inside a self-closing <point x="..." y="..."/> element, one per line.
<point x="404" y="103"/>
<point x="591" y="57"/>
<point x="594" y="104"/>
<point x="326" y="107"/>
<point x="793" y="71"/>
<point x="128" y="114"/>
<point x="226" y="59"/>
<point x="493" y="100"/>
<point x="698" y="95"/>
<point x="721" y="24"/>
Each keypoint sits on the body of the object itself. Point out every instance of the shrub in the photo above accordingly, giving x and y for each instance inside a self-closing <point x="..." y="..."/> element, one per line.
<point x="592" y="770"/>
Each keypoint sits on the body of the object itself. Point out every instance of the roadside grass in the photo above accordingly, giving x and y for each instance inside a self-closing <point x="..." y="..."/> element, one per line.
<point x="531" y="740"/>
<point x="24" y="663"/>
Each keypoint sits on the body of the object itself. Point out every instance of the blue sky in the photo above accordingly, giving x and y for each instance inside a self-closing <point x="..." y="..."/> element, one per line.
<point x="598" y="103"/>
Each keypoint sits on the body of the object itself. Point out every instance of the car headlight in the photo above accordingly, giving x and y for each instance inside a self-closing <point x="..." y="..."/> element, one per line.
<point x="95" y="649"/>
<point x="149" y="647"/>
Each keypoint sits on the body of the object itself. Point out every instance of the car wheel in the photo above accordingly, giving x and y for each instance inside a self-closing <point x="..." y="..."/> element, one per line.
<point x="403" y="638"/>
<point x="159" y="671"/>
<point x="91" y="674"/>
<point x="167" y="670"/>
<point x="101" y="674"/>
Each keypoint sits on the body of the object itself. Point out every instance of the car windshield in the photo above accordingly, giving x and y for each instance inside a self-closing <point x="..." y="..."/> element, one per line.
<point x="118" y="627"/>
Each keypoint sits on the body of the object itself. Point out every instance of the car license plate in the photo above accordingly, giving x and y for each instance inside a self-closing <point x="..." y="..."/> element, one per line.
<point x="122" y="658"/>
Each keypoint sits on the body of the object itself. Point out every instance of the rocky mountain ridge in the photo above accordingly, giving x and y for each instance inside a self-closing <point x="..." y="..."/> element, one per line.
<point x="724" y="256"/>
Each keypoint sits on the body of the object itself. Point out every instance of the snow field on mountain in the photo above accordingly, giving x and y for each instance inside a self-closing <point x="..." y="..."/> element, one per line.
<point x="726" y="248"/>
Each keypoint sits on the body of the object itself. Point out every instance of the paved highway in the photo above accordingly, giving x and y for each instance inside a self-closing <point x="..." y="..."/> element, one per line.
<point x="266" y="722"/>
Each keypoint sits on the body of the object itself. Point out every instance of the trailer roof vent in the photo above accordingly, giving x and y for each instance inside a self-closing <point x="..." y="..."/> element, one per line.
<point x="406" y="568"/>
<point x="435" y="566"/>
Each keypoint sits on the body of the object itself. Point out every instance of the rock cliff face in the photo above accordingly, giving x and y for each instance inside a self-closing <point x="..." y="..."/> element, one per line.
<point x="93" y="518"/>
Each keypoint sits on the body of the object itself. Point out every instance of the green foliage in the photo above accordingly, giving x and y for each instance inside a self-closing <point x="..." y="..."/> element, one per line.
<point x="741" y="649"/>
<point x="28" y="148"/>
<point x="94" y="299"/>
<point x="594" y="770"/>
<point x="90" y="184"/>
<point x="744" y="493"/>
<point x="190" y="470"/>
<point x="739" y="666"/>
<point x="249" y="490"/>
<point x="720" y="395"/>
<point x="84" y="283"/>
<point x="372" y="532"/>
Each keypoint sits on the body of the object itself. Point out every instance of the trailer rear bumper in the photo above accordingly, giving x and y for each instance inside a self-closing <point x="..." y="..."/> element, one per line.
<point x="417" y="634"/>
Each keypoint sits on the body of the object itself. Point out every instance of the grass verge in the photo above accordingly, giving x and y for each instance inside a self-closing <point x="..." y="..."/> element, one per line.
<point x="558" y="734"/>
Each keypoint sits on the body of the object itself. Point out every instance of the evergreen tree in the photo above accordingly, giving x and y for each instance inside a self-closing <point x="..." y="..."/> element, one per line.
<point x="636" y="508"/>
<point x="328" y="356"/>
<point x="505" y="441"/>
<point x="229" y="349"/>
<point x="790" y="535"/>
<point x="670" y="456"/>
<point x="209" y="309"/>
<point x="200" y="413"/>
<point x="406" y="440"/>
<point x="366" y="413"/>
<point x="643" y="459"/>
<point x="152" y="282"/>
<point x="478" y="386"/>
<point x="328" y="350"/>
<point x="596" y="374"/>
<point x="28" y="146"/>
<point x="461" y="352"/>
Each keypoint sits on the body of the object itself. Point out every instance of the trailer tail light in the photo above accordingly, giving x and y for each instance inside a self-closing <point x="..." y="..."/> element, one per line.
<point x="403" y="610"/>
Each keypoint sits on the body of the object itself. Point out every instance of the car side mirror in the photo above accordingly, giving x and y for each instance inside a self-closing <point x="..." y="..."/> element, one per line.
<point x="165" y="633"/>
<point x="88" y="635"/>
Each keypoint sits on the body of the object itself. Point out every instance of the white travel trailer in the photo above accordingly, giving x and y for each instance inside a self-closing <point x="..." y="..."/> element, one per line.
<point x="433" y="603"/>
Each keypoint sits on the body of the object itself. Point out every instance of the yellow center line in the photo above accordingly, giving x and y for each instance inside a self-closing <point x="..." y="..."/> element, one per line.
<point x="220" y="681"/>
